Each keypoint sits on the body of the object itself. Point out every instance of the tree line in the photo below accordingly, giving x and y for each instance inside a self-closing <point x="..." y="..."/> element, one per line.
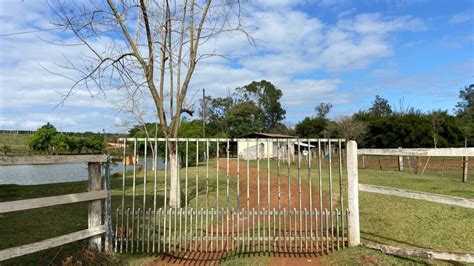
<point x="256" y="107"/>
<point x="47" y="139"/>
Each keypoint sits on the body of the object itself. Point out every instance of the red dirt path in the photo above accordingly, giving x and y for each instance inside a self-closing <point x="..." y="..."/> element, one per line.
<point x="214" y="258"/>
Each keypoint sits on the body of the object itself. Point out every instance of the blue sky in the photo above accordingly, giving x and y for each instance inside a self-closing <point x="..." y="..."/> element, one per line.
<point x="414" y="53"/>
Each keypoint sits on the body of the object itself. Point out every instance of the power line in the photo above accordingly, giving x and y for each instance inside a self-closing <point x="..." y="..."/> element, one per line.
<point x="27" y="32"/>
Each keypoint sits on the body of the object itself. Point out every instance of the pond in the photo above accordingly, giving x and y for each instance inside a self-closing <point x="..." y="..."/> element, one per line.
<point x="58" y="173"/>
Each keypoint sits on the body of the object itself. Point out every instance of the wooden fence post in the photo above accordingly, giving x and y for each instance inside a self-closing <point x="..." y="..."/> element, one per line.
<point x="95" y="207"/>
<point x="464" y="169"/>
<point x="353" y="194"/>
<point x="400" y="161"/>
<point x="108" y="209"/>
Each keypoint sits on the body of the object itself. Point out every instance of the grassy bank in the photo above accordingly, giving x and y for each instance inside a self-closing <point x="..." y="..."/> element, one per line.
<point x="384" y="219"/>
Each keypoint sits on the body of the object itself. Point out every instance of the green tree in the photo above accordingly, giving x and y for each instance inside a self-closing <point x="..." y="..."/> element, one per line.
<point x="59" y="143"/>
<point x="267" y="98"/>
<point x="311" y="127"/>
<point x="380" y="107"/>
<point x="244" y="118"/>
<point x="323" y="109"/>
<point x="465" y="113"/>
<point x="42" y="139"/>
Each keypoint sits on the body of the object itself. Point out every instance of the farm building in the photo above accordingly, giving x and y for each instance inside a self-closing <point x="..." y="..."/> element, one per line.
<point x="268" y="145"/>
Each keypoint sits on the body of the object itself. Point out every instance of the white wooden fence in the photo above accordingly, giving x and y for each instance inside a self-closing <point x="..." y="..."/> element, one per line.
<point x="96" y="194"/>
<point x="465" y="153"/>
<point x="442" y="199"/>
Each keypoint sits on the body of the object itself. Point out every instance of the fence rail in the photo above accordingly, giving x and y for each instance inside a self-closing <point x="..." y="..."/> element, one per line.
<point x="96" y="194"/>
<point x="449" y="200"/>
<point x="438" y="152"/>
<point x="28" y="204"/>
<point x="10" y="253"/>
<point x="56" y="159"/>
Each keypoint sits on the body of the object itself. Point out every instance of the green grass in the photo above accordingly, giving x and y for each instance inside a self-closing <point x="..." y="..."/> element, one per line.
<point x="384" y="219"/>
<point x="18" y="143"/>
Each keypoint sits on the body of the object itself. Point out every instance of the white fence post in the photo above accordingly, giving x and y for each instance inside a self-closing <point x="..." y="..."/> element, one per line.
<point x="465" y="166"/>
<point x="353" y="194"/>
<point x="400" y="161"/>
<point x="95" y="207"/>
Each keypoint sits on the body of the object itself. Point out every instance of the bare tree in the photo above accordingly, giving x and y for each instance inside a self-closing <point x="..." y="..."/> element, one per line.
<point x="147" y="48"/>
<point x="350" y="129"/>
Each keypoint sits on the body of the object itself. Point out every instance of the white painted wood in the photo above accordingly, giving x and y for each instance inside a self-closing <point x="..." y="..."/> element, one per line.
<point x="449" y="200"/>
<point x="439" y="152"/>
<point x="353" y="194"/>
<point x="95" y="207"/>
<point x="15" y="160"/>
<point x="19" y="205"/>
<point x="50" y="243"/>
<point x="422" y="253"/>
<point x="465" y="166"/>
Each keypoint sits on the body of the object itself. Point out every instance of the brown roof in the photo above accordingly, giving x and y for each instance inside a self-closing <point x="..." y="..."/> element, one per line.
<point x="266" y="135"/>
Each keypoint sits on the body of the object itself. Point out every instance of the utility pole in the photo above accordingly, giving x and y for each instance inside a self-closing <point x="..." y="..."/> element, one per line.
<point x="203" y="113"/>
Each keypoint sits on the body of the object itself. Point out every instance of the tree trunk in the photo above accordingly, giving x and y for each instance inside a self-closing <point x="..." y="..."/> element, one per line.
<point x="175" y="191"/>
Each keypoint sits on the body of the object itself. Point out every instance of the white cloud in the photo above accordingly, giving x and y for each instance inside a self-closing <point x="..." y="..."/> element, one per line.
<point x="462" y="17"/>
<point x="290" y="44"/>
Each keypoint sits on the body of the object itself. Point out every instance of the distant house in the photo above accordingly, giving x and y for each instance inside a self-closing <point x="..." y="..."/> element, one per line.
<point x="266" y="145"/>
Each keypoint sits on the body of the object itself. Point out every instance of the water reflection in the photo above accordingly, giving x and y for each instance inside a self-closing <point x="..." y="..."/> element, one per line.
<point x="58" y="173"/>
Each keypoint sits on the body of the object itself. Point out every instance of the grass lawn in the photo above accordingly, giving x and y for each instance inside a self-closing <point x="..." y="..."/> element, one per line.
<point x="384" y="219"/>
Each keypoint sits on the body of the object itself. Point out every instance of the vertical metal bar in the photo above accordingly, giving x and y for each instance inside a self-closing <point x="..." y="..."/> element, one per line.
<point x="138" y="230"/>
<point x="331" y="192"/>
<point x="222" y="227"/>
<point x="207" y="191"/>
<point x="279" y="230"/>
<point x="212" y="230"/>
<point x="175" y="229"/>
<point x="189" y="235"/>
<point x="341" y="190"/>
<point x="197" y="193"/>
<point x="155" y="170"/>
<point x="124" y="174"/>
<point x="305" y="229"/>
<point x="310" y="195"/>
<point x="248" y="179"/>
<point x="239" y="242"/>
<point x="134" y="188"/>
<point x="207" y="176"/>
<point x="295" y="232"/>
<point x="170" y="218"/>
<point x="284" y="228"/>
<point x="290" y="231"/>
<point x="316" y="229"/>
<point x="263" y="214"/>
<point x="217" y="193"/>
<point x="159" y="231"/>
<point x="148" y="233"/>
<point x="337" y="229"/>
<point x="186" y="195"/>
<point x="127" y="231"/>
<point x="117" y="231"/>
<point x="175" y="210"/>
<point x="165" y="199"/>
<point x="202" y="233"/>
<point x="253" y="228"/>
<point x="180" y="228"/>
<point x="278" y="174"/>
<point x="258" y="194"/>
<point x="268" y="191"/>
<point x="289" y="174"/>
<point x="274" y="237"/>
<point x="327" y="230"/>
<point x="227" y="197"/>
<point x="300" y="206"/>
<point x="320" y="190"/>
<point x="238" y="178"/>
<point x="144" y="192"/>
